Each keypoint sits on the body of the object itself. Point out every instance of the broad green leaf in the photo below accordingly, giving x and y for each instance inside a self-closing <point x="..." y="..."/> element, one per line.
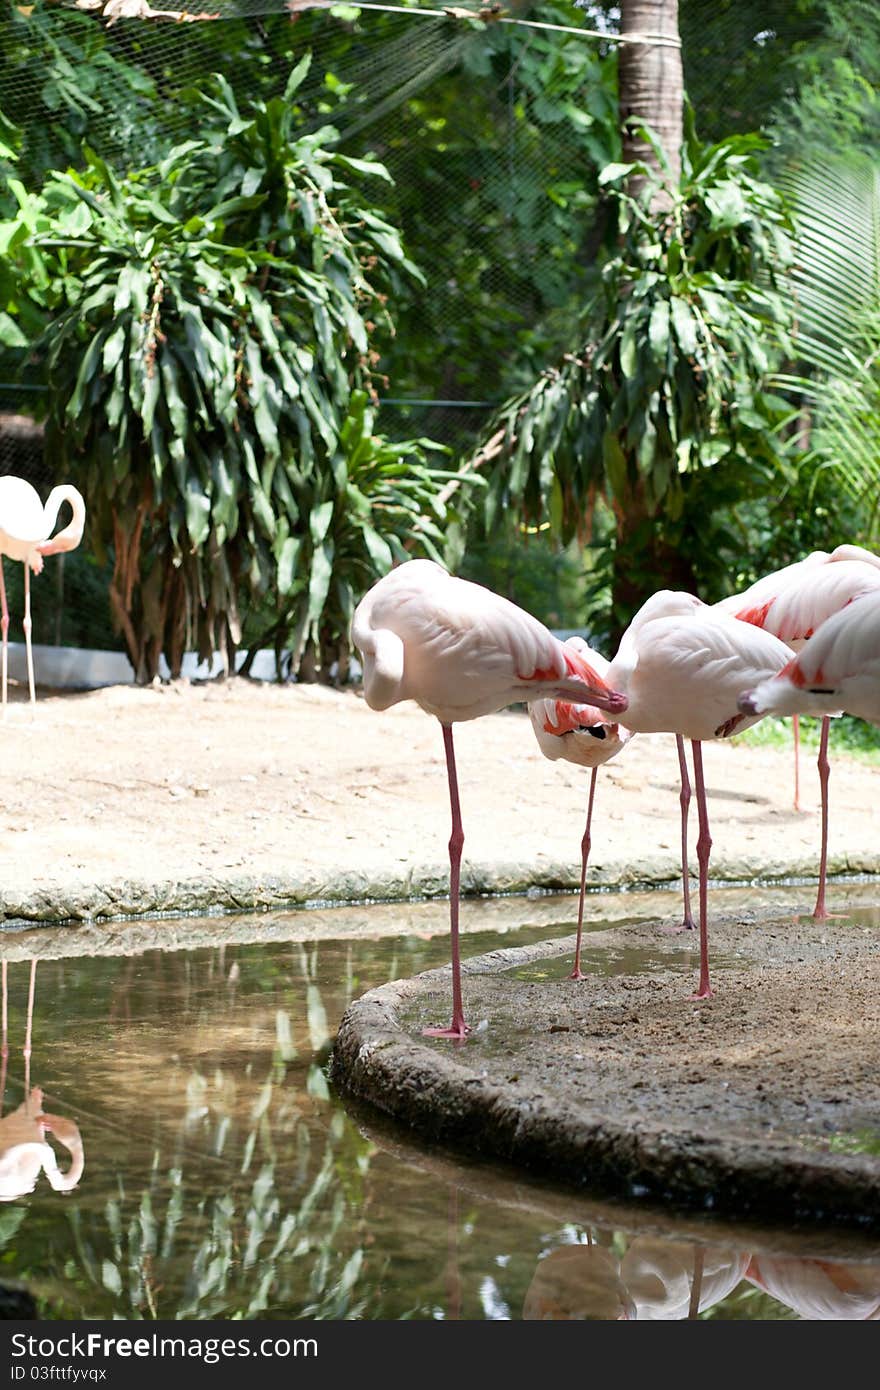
<point x="658" y="330"/>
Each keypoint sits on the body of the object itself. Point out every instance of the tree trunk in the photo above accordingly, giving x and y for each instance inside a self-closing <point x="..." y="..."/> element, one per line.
<point x="651" y="89"/>
<point x="642" y="554"/>
<point x="650" y="92"/>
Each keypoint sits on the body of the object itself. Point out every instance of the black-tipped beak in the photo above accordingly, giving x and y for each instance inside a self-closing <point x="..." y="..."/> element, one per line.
<point x="747" y="704"/>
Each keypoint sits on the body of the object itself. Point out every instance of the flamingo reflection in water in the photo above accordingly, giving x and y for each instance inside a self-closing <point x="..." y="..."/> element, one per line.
<point x="820" y="1290"/>
<point x="654" y="1280"/>
<point x="578" y="1283"/>
<point x="671" y="1279"/>
<point x="24" y="1150"/>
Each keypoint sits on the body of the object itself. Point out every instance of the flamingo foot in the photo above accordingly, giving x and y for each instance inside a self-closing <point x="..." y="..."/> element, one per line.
<point x="457" y="1032"/>
<point x="577" y="974"/>
<point x="704" y="992"/>
<point x="687" y="925"/>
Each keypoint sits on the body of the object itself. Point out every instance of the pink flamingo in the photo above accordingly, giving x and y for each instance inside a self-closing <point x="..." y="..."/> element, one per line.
<point x="793" y="604"/>
<point x="25" y="530"/>
<point x="580" y="734"/>
<point x="460" y="651"/>
<point x="837" y="669"/>
<point x="680" y="665"/>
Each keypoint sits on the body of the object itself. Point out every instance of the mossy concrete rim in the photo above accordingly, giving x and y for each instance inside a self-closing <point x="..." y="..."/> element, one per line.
<point x="632" y="1140"/>
<point x="127" y="899"/>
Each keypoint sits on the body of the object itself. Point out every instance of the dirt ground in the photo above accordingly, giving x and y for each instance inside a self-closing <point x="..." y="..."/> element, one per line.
<point x="242" y="795"/>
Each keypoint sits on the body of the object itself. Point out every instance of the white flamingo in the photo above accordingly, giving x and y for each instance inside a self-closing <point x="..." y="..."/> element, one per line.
<point x="460" y="651"/>
<point x="680" y="665"/>
<point x="26" y="535"/>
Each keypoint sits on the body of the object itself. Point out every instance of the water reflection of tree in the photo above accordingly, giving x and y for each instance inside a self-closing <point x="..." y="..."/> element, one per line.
<point x="253" y="1197"/>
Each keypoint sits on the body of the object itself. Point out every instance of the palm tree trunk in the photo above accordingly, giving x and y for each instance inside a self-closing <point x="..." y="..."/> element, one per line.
<point x="650" y="93"/>
<point x="650" y="88"/>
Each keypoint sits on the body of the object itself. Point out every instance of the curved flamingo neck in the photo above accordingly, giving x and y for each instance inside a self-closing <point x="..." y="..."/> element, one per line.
<point x="70" y="537"/>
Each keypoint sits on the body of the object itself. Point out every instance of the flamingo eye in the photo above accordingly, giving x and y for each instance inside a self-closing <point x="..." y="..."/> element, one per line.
<point x="818" y="690"/>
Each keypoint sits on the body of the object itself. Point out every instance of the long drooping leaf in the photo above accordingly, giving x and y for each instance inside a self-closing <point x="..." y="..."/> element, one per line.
<point x="835" y="277"/>
<point x="836" y="304"/>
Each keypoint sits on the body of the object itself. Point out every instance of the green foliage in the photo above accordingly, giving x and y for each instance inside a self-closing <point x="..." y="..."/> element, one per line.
<point x="512" y="212"/>
<point x="376" y="503"/>
<point x="209" y="321"/>
<point x="743" y="58"/>
<point x="832" y="103"/>
<point x="670" y="383"/>
<point x="68" y="601"/>
<point x="809" y="512"/>
<point x="835" y="295"/>
<point x="849" y="735"/>
<point x="539" y="574"/>
<point x="63" y="72"/>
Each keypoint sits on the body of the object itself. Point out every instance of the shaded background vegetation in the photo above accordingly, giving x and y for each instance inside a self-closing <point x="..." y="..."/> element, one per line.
<point x="496" y="138"/>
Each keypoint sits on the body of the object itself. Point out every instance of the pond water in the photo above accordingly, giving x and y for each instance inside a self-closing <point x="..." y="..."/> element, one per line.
<point x="221" y="1177"/>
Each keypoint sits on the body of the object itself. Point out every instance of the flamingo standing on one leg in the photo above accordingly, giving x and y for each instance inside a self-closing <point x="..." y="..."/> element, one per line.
<point x="581" y="734"/>
<point x="680" y="665"/>
<point x="459" y="651"/>
<point x="793" y="604"/>
<point x="25" y="531"/>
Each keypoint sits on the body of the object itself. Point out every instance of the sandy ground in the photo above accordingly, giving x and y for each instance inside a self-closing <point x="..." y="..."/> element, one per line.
<point x="243" y="795"/>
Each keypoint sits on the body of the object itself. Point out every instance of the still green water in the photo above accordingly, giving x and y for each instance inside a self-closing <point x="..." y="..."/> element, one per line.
<point x="222" y="1178"/>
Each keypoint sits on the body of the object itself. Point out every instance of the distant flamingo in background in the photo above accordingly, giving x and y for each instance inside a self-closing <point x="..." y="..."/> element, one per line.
<point x="680" y="664"/>
<point x="25" y="531"/>
<point x="792" y="604"/>
<point x="580" y="734"/>
<point x="460" y="651"/>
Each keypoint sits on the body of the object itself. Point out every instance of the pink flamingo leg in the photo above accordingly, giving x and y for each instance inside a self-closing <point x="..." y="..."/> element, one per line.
<point x="688" y="924"/>
<point x="819" y="912"/>
<point x="704" y="845"/>
<point x="796" y="730"/>
<point x="577" y="973"/>
<point x="4" y="629"/>
<point x="458" y="1027"/>
<point x="26" y="624"/>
